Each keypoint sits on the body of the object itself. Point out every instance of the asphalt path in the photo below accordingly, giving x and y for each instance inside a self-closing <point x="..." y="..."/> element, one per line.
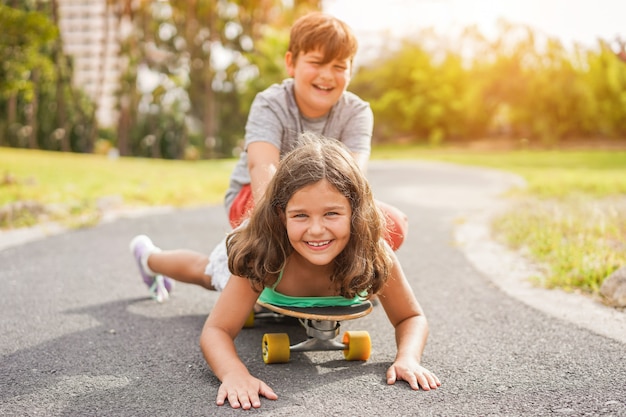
<point x="81" y="338"/>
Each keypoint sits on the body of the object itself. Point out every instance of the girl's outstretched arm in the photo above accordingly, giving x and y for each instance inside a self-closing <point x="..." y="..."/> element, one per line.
<point x="411" y="328"/>
<point x="228" y="316"/>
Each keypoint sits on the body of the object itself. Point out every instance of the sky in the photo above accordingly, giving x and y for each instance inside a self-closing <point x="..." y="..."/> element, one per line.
<point x="581" y="21"/>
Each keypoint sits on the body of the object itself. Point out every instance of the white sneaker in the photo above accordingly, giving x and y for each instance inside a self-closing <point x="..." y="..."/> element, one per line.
<point x="159" y="286"/>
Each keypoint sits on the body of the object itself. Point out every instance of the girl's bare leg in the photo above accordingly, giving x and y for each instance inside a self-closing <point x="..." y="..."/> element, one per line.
<point x="182" y="265"/>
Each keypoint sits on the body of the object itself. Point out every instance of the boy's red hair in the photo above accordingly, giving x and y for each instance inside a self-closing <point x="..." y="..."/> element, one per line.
<point x="320" y="31"/>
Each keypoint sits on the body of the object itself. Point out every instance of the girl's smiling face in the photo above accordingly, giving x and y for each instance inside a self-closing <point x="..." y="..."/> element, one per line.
<point x="318" y="219"/>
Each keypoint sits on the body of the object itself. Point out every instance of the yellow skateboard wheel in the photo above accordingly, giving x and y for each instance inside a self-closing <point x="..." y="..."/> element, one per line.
<point x="276" y="348"/>
<point x="359" y="345"/>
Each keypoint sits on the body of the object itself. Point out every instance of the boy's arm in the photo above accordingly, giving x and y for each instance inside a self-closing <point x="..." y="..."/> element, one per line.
<point x="263" y="159"/>
<point x="228" y="316"/>
<point x="411" y="328"/>
<point x="356" y="125"/>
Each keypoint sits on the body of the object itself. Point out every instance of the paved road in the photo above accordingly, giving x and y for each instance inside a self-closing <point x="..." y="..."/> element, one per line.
<point x="79" y="336"/>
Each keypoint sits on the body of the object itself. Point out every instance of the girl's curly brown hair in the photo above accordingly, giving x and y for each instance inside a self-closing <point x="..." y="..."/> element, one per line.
<point x="259" y="250"/>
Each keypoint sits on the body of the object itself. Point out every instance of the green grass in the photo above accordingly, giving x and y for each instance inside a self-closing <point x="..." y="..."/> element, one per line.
<point x="67" y="187"/>
<point x="571" y="218"/>
<point x="581" y="240"/>
<point x="550" y="174"/>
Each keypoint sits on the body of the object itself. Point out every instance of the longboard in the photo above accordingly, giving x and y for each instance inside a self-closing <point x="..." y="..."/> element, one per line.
<point x="322" y="327"/>
<point x="336" y="313"/>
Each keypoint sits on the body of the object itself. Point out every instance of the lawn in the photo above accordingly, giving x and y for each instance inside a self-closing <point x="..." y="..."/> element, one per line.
<point x="550" y="174"/>
<point x="36" y="186"/>
<point x="571" y="218"/>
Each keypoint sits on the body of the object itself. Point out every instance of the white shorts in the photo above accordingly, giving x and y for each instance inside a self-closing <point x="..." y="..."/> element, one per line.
<point x="217" y="268"/>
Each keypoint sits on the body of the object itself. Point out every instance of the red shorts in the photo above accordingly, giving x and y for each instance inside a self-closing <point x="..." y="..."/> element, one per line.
<point x="241" y="206"/>
<point x="397" y="222"/>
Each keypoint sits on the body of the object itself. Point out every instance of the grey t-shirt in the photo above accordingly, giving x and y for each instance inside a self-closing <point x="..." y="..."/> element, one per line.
<point x="274" y="118"/>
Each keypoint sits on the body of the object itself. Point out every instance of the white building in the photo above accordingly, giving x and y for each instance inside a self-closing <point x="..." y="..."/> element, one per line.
<point x="90" y="36"/>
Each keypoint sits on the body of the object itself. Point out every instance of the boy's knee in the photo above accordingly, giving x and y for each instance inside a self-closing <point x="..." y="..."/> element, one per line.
<point x="397" y="225"/>
<point x="397" y="228"/>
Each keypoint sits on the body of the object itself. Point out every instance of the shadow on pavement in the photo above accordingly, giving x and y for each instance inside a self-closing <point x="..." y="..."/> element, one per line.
<point x="134" y="364"/>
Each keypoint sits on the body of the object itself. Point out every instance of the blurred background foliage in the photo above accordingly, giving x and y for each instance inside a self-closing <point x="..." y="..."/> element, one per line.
<point x="210" y="57"/>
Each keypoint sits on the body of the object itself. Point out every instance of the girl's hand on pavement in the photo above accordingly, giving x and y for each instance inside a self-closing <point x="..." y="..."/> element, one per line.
<point x="416" y="375"/>
<point x="243" y="392"/>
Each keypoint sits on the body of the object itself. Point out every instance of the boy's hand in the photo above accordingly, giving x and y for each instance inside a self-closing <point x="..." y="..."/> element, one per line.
<point x="412" y="372"/>
<point x="242" y="391"/>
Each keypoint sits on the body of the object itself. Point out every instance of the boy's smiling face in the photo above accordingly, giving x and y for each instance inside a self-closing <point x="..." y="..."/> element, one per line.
<point x="318" y="86"/>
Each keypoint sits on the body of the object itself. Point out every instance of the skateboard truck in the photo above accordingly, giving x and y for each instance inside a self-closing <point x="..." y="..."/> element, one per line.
<point x="321" y="336"/>
<point x="322" y="327"/>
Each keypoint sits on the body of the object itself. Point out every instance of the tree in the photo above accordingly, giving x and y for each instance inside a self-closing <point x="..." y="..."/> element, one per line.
<point x="206" y="48"/>
<point x="606" y="76"/>
<point x="43" y="109"/>
<point x="521" y="85"/>
<point x="25" y="64"/>
<point x="421" y="93"/>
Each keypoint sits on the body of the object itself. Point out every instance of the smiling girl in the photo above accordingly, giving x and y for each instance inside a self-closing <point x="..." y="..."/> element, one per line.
<point x="316" y="239"/>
